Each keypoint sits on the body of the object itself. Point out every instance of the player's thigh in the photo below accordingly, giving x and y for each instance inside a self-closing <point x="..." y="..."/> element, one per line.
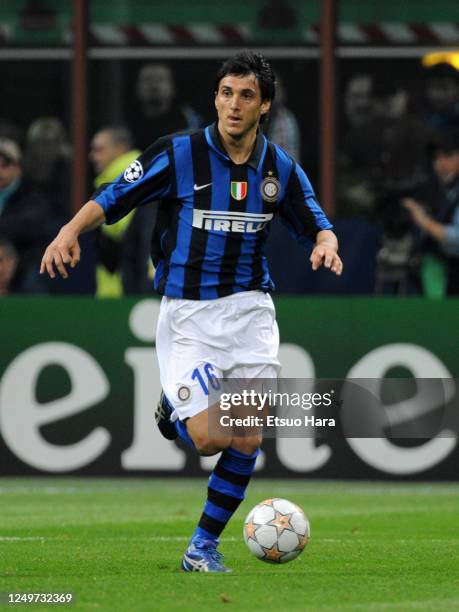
<point x="258" y="338"/>
<point x="261" y="378"/>
<point x="255" y="372"/>
<point x="187" y="363"/>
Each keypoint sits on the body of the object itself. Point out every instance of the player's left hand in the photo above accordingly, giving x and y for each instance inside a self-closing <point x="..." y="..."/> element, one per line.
<point x="325" y="255"/>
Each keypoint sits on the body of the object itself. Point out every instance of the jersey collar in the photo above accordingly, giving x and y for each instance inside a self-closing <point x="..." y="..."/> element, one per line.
<point x="214" y="140"/>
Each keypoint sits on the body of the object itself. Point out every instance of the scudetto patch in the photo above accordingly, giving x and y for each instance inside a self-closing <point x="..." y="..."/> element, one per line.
<point x="238" y="190"/>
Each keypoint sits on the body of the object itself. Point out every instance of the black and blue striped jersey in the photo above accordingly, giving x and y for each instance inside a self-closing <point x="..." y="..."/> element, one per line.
<point x="213" y="216"/>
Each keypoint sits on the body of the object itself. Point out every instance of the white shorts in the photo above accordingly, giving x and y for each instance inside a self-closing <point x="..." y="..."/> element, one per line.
<point x="230" y="337"/>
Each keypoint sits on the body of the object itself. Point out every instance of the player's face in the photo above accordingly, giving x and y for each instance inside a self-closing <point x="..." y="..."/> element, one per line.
<point x="239" y="105"/>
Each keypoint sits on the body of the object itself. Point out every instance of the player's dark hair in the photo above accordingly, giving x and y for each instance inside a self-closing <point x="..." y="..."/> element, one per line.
<point x="248" y="62"/>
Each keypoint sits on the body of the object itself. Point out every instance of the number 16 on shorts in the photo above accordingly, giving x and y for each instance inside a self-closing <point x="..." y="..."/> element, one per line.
<point x="205" y="375"/>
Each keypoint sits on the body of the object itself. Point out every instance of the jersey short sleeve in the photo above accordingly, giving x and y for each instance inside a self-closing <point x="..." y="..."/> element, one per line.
<point x="299" y="211"/>
<point x="145" y="179"/>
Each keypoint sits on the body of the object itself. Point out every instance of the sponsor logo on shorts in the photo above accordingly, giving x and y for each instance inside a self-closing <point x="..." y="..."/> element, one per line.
<point x="229" y="221"/>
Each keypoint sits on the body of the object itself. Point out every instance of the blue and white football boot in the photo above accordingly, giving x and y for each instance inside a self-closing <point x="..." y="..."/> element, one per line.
<point x="202" y="556"/>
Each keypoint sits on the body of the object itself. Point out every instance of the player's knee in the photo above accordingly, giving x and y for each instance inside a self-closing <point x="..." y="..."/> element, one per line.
<point x="247" y="445"/>
<point x="210" y="446"/>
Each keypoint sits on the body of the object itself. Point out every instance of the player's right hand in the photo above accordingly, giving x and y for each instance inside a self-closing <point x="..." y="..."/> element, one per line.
<point x="62" y="251"/>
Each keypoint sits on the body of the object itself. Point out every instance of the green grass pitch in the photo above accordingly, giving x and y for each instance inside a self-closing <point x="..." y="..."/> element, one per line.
<point x="116" y="544"/>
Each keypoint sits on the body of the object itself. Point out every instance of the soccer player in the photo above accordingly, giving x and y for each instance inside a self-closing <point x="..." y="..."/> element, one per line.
<point x="218" y="188"/>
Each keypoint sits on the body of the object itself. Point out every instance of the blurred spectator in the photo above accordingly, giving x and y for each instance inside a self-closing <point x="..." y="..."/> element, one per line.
<point x="159" y="112"/>
<point x="359" y="100"/>
<point x="403" y="170"/>
<point x="441" y="224"/>
<point x="47" y="164"/>
<point x="123" y="247"/>
<point x="111" y="152"/>
<point x="384" y="149"/>
<point x="403" y="140"/>
<point x="383" y="158"/>
<point x="358" y="153"/>
<point x="442" y="96"/>
<point x="8" y="266"/>
<point x="282" y="127"/>
<point x="24" y="216"/>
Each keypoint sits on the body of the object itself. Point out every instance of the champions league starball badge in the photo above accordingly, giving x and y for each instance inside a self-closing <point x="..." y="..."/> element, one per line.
<point x="270" y="189"/>
<point x="133" y="172"/>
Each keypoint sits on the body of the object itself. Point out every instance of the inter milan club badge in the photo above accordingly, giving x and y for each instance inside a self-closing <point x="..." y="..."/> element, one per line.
<point x="270" y="189"/>
<point x="238" y="190"/>
<point x="184" y="393"/>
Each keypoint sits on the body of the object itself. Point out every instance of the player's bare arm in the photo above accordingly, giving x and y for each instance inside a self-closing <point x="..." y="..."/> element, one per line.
<point x="64" y="250"/>
<point x="325" y="252"/>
